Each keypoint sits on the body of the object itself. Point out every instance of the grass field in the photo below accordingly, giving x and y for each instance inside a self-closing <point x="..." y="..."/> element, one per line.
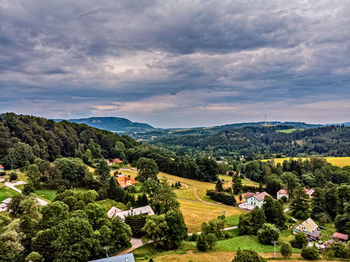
<point x="288" y="131"/>
<point x="50" y="194"/>
<point x="6" y="192"/>
<point x="195" y="213"/>
<point x="336" y="161"/>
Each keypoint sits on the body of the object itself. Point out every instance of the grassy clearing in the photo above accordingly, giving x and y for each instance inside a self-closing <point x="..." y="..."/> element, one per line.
<point x="328" y="232"/>
<point x="108" y="203"/>
<point x="336" y="161"/>
<point x="50" y="194"/>
<point x="196" y="213"/>
<point x="288" y="131"/>
<point x="246" y="182"/>
<point x="6" y="192"/>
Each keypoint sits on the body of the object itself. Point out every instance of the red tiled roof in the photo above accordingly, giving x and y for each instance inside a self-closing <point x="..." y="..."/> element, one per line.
<point x="283" y="191"/>
<point x="248" y="195"/>
<point x="117" y="160"/>
<point x="1" y="166"/>
<point x="261" y="196"/>
<point x="123" y="181"/>
<point x="341" y="236"/>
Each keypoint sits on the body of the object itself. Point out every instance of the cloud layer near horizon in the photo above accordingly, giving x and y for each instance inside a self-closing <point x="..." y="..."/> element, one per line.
<point x="177" y="63"/>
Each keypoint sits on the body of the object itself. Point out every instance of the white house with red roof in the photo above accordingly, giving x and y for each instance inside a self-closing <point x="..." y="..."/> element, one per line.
<point x="1" y="168"/>
<point x="282" y="193"/>
<point x="253" y="200"/>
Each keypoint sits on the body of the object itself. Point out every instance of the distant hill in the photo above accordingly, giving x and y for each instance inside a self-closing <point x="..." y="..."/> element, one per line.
<point x="113" y="124"/>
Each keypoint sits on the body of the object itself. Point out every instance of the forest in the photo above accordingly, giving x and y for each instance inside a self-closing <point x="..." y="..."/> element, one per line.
<point x="262" y="142"/>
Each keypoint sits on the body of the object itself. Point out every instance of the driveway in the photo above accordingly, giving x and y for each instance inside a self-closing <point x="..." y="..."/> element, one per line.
<point x="13" y="186"/>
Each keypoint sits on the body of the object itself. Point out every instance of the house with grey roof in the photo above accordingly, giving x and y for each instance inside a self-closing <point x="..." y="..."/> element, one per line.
<point x="133" y="212"/>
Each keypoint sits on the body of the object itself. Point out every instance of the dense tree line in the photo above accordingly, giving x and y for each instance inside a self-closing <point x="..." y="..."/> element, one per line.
<point x="262" y="142"/>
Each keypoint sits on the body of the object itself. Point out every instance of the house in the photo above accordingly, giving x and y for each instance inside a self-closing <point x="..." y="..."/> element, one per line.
<point x="121" y="258"/>
<point x="116" y="161"/>
<point x="282" y="193"/>
<point x="109" y="163"/>
<point x="4" y="204"/>
<point x="340" y="237"/>
<point x="253" y="200"/>
<point x="1" y="168"/>
<point x="133" y="212"/>
<point x="125" y="181"/>
<point x="111" y="213"/>
<point x="310" y="228"/>
<point x="309" y="192"/>
<point x="3" y="207"/>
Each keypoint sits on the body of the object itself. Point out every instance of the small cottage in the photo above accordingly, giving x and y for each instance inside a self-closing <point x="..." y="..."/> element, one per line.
<point x="309" y="228"/>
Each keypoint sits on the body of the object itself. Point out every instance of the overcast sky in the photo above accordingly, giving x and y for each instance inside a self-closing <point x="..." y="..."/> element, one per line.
<point x="177" y="63"/>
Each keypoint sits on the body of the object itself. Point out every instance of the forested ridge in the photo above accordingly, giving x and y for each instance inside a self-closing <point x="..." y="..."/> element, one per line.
<point x="50" y="140"/>
<point x="264" y="142"/>
<point x="24" y="138"/>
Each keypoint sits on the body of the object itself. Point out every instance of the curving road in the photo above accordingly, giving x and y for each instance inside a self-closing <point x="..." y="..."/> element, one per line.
<point x="13" y="186"/>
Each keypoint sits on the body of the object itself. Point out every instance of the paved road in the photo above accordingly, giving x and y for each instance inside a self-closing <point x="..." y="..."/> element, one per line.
<point x="13" y="186"/>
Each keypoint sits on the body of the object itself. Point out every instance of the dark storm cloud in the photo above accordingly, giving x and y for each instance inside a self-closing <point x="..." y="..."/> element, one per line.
<point x="160" y="60"/>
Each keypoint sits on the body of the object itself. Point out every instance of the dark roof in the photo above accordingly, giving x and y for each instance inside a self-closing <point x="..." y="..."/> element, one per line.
<point x="121" y="258"/>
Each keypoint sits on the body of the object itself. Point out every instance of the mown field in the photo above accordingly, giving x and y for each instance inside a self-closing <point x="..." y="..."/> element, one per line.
<point x="6" y="192"/>
<point x="195" y="205"/>
<point x="336" y="161"/>
<point x="288" y="131"/>
<point x="50" y="194"/>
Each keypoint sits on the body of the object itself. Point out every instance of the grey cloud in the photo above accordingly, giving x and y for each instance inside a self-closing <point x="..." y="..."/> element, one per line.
<point x="105" y="52"/>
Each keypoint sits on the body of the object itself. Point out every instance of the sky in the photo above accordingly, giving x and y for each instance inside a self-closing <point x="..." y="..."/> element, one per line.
<point x="177" y="63"/>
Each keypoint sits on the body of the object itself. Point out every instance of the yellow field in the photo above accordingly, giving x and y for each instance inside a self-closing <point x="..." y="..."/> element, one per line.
<point x="195" y="213"/>
<point x="192" y="198"/>
<point x="336" y="161"/>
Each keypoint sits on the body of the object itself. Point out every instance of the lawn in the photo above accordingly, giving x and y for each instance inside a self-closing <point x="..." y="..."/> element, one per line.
<point x="196" y="213"/>
<point x="6" y="192"/>
<point x="50" y="194"/>
<point x="336" y="161"/>
<point x="249" y="242"/>
<point x="288" y="131"/>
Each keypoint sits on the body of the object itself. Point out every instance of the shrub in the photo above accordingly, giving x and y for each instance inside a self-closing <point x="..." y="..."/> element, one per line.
<point x="247" y="256"/>
<point x="2" y="173"/>
<point x="211" y="240"/>
<point x="338" y="250"/>
<point x="222" y="197"/>
<point x="299" y="241"/>
<point x="136" y="223"/>
<point x="310" y="253"/>
<point x="286" y="250"/>
<point x="13" y="176"/>
<point x="202" y="244"/>
<point x="268" y="234"/>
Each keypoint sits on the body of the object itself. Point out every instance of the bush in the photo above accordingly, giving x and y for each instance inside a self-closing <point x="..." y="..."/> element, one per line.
<point x="268" y="234"/>
<point x="310" y="253"/>
<point x="136" y="223"/>
<point x="13" y="176"/>
<point x="202" y="244"/>
<point x="286" y="250"/>
<point x="247" y="256"/>
<point x="299" y="241"/>
<point x="2" y="173"/>
<point x="338" y="250"/>
<point x="222" y="197"/>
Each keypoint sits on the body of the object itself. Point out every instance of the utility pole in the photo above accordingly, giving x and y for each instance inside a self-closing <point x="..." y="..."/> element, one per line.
<point x="275" y="242"/>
